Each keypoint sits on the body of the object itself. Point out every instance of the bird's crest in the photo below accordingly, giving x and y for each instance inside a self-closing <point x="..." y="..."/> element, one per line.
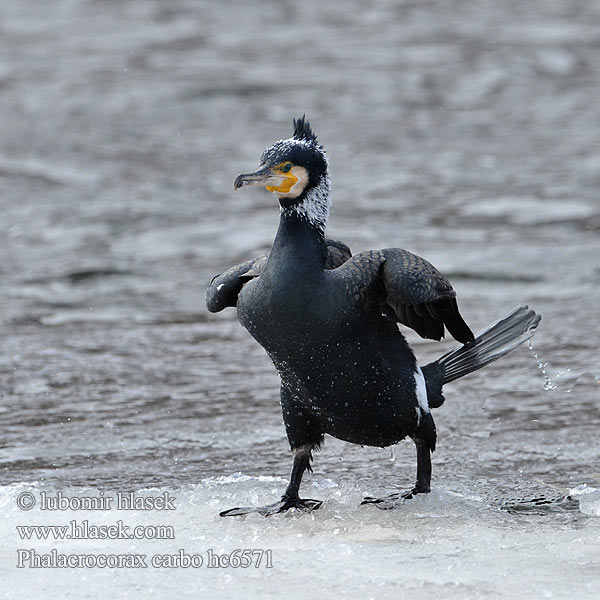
<point x="302" y="130"/>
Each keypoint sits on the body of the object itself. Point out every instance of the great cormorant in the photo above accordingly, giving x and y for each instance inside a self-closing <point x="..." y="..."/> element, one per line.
<point x="328" y="320"/>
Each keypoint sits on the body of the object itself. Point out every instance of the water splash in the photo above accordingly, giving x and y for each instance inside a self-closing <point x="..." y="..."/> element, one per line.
<point x="549" y="385"/>
<point x="570" y="381"/>
<point x="392" y="456"/>
<point x="567" y="378"/>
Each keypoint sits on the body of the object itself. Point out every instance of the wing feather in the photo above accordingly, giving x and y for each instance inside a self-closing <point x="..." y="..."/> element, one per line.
<point x="412" y="292"/>
<point x="224" y="288"/>
<point x="337" y="254"/>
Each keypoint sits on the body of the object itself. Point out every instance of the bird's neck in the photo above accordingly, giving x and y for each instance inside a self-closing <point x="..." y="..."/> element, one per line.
<point x="299" y="247"/>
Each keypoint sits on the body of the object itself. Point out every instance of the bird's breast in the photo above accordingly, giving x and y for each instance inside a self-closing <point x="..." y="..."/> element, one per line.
<point x="284" y="315"/>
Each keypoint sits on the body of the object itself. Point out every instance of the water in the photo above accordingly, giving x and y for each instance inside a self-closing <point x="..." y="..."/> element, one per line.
<point x="465" y="134"/>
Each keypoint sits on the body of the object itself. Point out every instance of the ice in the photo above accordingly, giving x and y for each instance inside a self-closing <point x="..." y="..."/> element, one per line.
<point x="443" y="543"/>
<point x="589" y="499"/>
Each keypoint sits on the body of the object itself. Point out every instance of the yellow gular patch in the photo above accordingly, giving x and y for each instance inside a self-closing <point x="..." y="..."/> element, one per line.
<point x="283" y="188"/>
<point x="286" y="185"/>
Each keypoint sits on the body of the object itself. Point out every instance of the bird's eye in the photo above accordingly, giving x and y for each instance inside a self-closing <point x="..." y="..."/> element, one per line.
<point x="286" y="167"/>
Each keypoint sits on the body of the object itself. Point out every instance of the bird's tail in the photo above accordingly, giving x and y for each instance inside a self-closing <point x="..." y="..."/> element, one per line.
<point x="490" y="344"/>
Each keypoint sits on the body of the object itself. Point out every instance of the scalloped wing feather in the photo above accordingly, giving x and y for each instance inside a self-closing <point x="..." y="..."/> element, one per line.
<point x="409" y="290"/>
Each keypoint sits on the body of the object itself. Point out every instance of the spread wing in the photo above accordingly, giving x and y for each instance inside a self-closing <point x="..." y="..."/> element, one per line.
<point x="224" y="289"/>
<point x="408" y="289"/>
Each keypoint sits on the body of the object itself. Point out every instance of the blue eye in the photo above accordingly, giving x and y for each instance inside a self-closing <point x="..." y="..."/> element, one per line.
<point x="286" y="167"/>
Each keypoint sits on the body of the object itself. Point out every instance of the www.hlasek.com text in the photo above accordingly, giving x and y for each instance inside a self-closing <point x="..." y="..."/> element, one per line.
<point x="84" y="530"/>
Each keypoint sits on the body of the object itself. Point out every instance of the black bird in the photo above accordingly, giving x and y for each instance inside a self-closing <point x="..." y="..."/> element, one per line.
<point x="328" y="321"/>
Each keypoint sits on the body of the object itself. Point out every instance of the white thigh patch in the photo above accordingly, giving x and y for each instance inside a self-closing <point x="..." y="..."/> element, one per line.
<point x="421" y="390"/>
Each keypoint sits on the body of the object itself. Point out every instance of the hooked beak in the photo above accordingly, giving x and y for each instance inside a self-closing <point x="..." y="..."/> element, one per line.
<point x="264" y="176"/>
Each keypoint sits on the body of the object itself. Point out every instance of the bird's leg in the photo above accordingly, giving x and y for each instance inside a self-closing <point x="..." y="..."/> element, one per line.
<point x="290" y="498"/>
<point x="422" y="486"/>
<point x="302" y="458"/>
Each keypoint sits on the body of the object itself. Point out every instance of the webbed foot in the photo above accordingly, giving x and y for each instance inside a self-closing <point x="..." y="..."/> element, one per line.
<point x="286" y="503"/>
<point x="393" y="500"/>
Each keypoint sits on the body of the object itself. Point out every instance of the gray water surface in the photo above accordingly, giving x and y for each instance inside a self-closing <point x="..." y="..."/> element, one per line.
<point x="465" y="132"/>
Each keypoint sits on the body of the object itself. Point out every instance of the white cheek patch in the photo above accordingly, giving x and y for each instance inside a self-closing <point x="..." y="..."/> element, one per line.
<point x="302" y="175"/>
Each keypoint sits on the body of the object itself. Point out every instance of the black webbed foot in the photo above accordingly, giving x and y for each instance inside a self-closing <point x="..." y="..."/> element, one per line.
<point x="393" y="500"/>
<point x="387" y="502"/>
<point x="286" y="503"/>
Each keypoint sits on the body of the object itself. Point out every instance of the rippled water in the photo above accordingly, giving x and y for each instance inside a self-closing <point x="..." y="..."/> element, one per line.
<point x="467" y="134"/>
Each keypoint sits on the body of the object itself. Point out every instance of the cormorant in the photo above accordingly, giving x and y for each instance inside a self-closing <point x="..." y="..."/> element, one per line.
<point x="328" y="321"/>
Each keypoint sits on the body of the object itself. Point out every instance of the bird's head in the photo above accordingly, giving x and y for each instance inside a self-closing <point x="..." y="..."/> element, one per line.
<point x="296" y="171"/>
